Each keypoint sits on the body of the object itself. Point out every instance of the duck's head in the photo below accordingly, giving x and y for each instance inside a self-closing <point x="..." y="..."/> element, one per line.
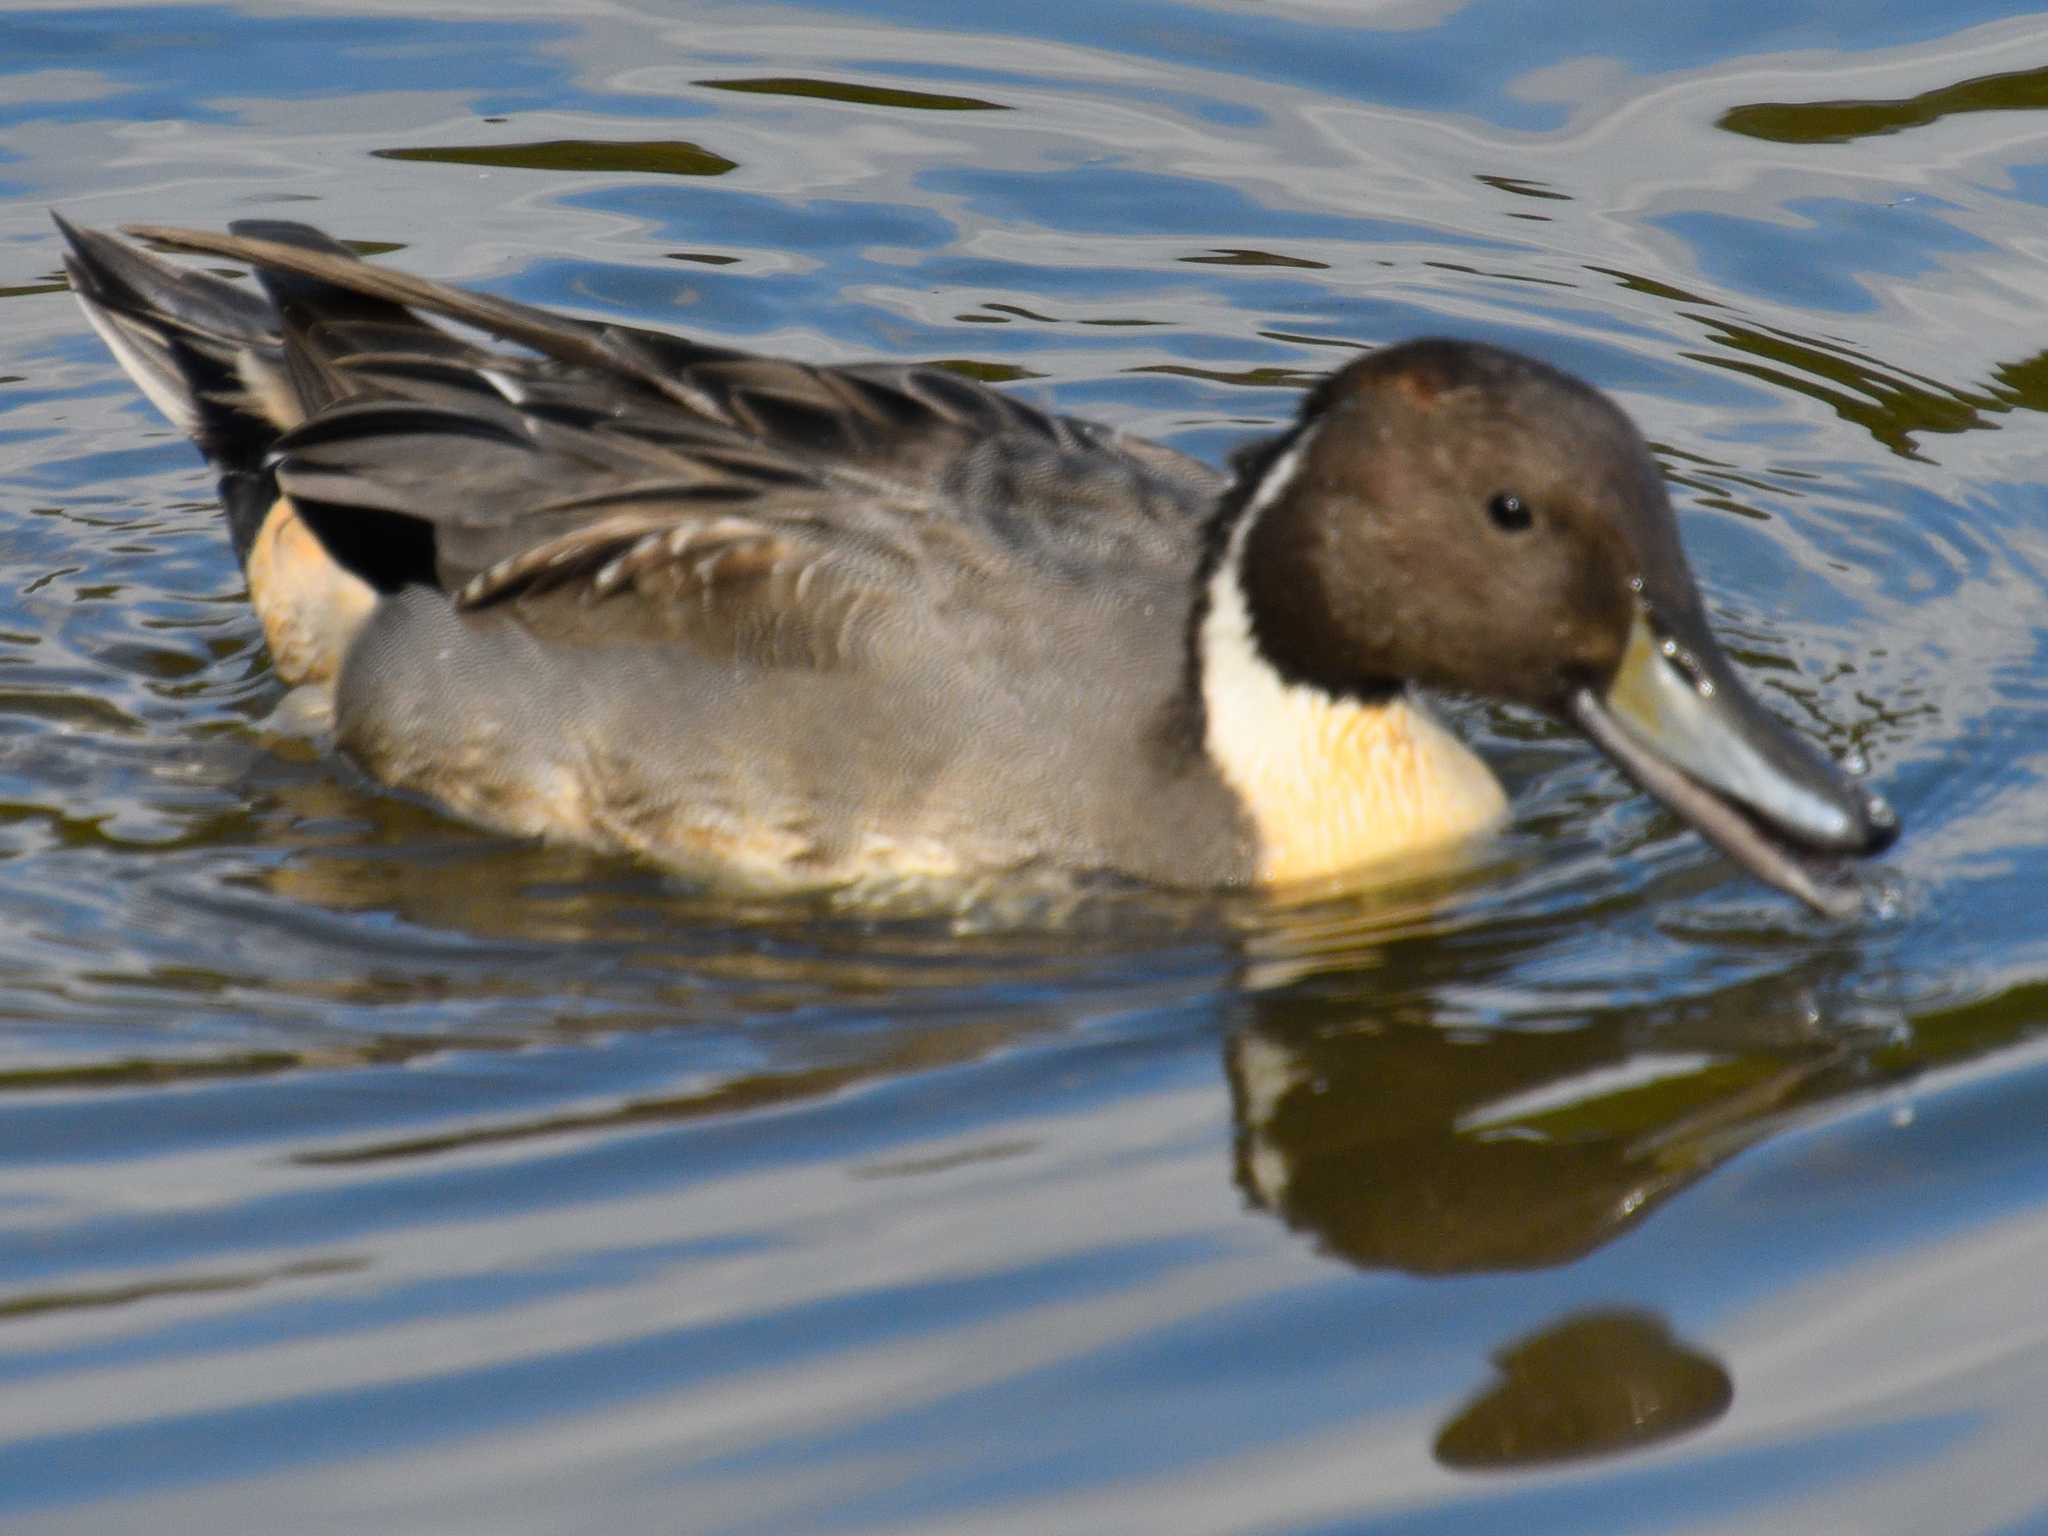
<point x="1461" y="517"/>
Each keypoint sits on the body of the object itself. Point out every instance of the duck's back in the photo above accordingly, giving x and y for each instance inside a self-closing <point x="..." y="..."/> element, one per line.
<point x="802" y="623"/>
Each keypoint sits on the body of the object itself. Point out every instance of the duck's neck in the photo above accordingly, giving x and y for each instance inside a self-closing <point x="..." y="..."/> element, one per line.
<point x="1329" y="783"/>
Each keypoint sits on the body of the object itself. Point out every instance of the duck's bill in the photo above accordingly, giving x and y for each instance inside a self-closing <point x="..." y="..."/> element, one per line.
<point x="1677" y="721"/>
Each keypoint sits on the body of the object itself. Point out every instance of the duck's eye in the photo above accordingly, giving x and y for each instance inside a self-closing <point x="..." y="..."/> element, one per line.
<point x="1510" y="513"/>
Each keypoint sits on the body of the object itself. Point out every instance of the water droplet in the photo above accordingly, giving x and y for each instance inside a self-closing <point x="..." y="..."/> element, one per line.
<point x="1670" y="649"/>
<point x="1854" y="763"/>
<point x="1880" y="811"/>
<point x="1706" y="688"/>
<point x="1902" y="1116"/>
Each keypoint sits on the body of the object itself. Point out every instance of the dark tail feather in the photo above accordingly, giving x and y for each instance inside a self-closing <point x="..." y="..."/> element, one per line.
<point x="323" y="321"/>
<point x="650" y="359"/>
<point x="204" y="351"/>
<point x="295" y="289"/>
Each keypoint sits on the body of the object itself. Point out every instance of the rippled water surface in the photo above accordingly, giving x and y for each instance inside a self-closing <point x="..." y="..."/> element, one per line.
<point x="360" y="1171"/>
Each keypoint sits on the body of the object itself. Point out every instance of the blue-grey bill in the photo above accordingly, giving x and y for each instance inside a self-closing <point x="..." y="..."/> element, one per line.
<point x="1677" y="721"/>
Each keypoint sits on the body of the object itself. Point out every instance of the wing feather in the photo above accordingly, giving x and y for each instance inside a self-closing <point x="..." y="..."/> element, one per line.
<point x="614" y="485"/>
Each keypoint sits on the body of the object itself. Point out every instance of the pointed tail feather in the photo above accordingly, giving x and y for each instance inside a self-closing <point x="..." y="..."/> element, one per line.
<point x="204" y="351"/>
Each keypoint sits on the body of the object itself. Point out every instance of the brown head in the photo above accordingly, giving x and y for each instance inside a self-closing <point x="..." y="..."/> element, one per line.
<point x="1455" y="515"/>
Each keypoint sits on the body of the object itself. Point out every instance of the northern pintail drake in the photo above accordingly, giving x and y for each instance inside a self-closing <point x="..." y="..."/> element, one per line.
<point x="815" y="626"/>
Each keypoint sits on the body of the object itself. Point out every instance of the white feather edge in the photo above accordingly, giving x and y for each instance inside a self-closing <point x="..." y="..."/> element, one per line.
<point x="150" y="375"/>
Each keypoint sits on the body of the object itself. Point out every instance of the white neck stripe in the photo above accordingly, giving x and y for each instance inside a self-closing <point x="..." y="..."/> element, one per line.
<point x="1329" y="783"/>
<point x="1227" y="640"/>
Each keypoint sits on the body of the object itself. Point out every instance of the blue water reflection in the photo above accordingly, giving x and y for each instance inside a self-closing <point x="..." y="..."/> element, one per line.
<point x="1789" y="257"/>
<point x="1460" y="59"/>
<point x="181" y="63"/>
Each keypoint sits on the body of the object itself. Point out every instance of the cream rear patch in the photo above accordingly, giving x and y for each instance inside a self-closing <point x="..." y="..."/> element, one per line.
<point x="310" y="607"/>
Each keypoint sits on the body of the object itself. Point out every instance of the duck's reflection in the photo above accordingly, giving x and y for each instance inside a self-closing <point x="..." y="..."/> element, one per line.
<point x="1410" y="1147"/>
<point x="1401" y="1143"/>
<point x="1364" y="1113"/>
<point x="1395" y="1142"/>
<point x="1594" y="1384"/>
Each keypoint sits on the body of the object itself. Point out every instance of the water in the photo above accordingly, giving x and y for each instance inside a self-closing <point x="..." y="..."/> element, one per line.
<point x="360" y="1171"/>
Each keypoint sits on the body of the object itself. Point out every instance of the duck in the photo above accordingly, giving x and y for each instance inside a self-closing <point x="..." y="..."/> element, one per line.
<point x="798" y="626"/>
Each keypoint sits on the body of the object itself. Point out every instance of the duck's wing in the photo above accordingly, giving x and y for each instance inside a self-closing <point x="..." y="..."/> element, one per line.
<point x="616" y="484"/>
